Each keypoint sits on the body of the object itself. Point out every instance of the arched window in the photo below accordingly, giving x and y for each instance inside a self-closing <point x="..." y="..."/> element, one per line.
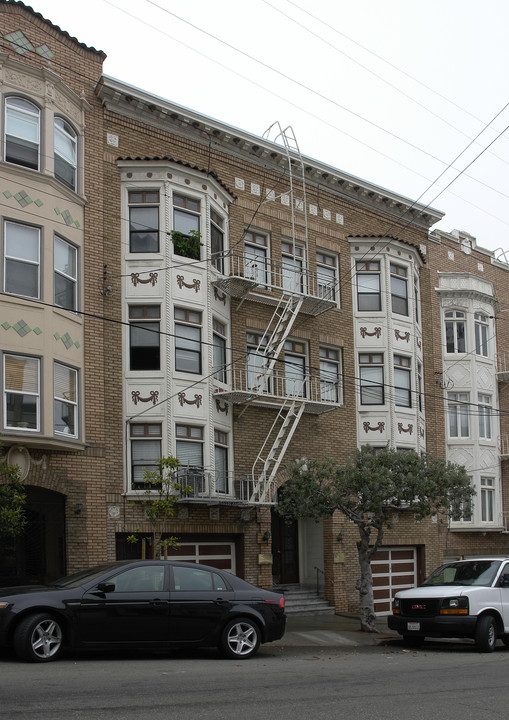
<point x="22" y="132"/>
<point x="65" y="153"/>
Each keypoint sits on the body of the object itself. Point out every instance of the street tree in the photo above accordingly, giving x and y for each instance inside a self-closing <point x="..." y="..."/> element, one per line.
<point x="368" y="490"/>
<point x="12" y="499"/>
<point x="163" y="489"/>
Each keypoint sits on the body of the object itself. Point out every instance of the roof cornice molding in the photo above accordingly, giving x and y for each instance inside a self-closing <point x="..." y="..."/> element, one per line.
<point x="136" y="104"/>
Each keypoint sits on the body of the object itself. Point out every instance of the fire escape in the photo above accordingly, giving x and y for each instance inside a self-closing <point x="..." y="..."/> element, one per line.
<point x="291" y="290"/>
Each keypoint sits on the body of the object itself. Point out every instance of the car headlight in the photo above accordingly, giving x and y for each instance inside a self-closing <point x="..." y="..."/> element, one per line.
<point x="454" y="606"/>
<point x="396" y="606"/>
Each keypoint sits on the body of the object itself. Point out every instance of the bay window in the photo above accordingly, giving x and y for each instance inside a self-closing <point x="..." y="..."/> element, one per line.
<point x="146" y="450"/>
<point x="65" y="146"/>
<point x="371" y="376"/>
<point x="22" y="258"/>
<point x="65" y="405"/>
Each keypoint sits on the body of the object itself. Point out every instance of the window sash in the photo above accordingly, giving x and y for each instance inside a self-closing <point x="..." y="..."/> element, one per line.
<point x="65" y="277"/>
<point x="402" y="387"/>
<point x="458" y="415"/>
<point x="368" y="292"/>
<point x="329" y="380"/>
<point x="255" y="263"/>
<point x="372" y="385"/>
<point x="65" y="400"/>
<point x="144" y="229"/>
<point x="22" y="260"/>
<point x="22" y="133"/>
<point x="399" y="295"/>
<point x="187" y="348"/>
<point x="21" y="392"/>
<point x="219" y="358"/>
<point x="481" y="339"/>
<point x="221" y="468"/>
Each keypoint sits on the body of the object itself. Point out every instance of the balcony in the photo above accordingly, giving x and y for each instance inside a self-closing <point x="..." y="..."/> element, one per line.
<point x="201" y="486"/>
<point x="264" y="280"/>
<point x="504" y="447"/>
<point x="503" y="367"/>
<point x="249" y="385"/>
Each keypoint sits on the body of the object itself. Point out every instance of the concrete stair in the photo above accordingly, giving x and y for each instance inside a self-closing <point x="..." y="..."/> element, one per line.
<point x="301" y="600"/>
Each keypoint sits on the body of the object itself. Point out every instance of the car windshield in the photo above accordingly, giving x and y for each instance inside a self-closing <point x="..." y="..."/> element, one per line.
<point x="82" y="577"/>
<point x="466" y="572"/>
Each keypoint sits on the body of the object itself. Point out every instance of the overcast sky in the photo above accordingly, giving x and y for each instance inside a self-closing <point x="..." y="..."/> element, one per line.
<point x="410" y="95"/>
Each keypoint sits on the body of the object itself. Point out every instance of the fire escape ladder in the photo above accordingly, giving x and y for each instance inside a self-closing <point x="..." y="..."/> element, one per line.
<point x="275" y="335"/>
<point x="296" y="173"/>
<point x="286" y="421"/>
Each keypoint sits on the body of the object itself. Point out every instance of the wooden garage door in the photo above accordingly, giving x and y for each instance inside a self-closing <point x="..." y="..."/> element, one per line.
<point x="393" y="569"/>
<point x="217" y="554"/>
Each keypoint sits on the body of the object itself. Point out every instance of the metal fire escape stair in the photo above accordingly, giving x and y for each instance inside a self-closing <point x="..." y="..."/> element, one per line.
<point x="278" y="330"/>
<point x="286" y="423"/>
<point x="274" y="337"/>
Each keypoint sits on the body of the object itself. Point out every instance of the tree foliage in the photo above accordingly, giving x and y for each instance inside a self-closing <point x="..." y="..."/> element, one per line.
<point x="162" y="491"/>
<point x="12" y="500"/>
<point x="368" y="490"/>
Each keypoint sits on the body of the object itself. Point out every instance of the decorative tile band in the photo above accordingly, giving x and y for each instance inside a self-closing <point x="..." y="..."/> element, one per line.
<point x="22" y="328"/>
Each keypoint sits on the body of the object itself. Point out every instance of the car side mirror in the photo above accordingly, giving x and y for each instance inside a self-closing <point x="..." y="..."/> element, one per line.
<point x="106" y="587"/>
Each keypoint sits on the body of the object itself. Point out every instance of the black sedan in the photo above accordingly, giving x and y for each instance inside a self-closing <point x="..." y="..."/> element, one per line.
<point x="146" y="603"/>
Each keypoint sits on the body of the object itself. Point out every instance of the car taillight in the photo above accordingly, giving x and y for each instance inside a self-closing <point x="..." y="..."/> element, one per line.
<point x="281" y="601"/>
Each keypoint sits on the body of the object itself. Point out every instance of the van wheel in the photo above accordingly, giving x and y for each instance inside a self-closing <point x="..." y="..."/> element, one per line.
<point x="486" y="634"/>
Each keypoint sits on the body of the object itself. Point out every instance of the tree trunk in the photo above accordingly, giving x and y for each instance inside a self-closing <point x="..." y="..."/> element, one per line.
<point x="365" y="584"/>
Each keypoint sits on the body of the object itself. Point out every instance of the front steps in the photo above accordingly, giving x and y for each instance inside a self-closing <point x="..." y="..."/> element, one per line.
<point x="301" y="600"/>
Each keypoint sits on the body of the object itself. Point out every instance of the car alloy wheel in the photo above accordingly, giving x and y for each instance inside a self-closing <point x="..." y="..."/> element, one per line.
<point x="240" y="638"/>
<point x="38" y="638"/>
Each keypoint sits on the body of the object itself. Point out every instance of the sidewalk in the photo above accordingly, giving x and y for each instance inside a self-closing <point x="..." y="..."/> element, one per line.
<point x="332" y="631"/>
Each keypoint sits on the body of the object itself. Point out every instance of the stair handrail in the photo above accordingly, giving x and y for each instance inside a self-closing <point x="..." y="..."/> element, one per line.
<point x="325" y="577"/>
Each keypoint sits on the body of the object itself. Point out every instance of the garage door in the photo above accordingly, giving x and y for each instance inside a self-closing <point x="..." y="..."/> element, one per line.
<point x="217" y="554"/>
<point x="393" y="569"/>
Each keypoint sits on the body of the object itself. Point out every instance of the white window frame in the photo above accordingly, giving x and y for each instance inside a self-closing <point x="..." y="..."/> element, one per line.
<point x="399" y="289"/>
<point x="152" y="433"/>
<point x="327" y="268"/>
<point x="488" y="499"/>
<point x="481" y="329"/>
<point x="68" y="274"/>
<point x="402" y="381"/>
<point x="485" y="411"/>
<point x="455" y="324"/>
<point x="256" y="257"/>
<point x="371" y="364"/>
<point x="458" y="409"/>
<point x="70" y="402"/>
<point x="368" y="278"/>
<point x="26" y="111"/>
<point x="186" y="321"/>
<point x="68" y="136"/>
<point x="148" y="200"/>
<point x="22" y="426"/>
<point x="11" y="259"/>
<point x="330" y="374"/>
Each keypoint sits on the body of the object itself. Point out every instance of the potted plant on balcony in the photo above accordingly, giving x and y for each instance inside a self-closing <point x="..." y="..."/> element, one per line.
<point x="187" y="245"/>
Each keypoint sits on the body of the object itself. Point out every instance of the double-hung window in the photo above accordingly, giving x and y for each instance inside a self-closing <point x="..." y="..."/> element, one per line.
<point x="65" y="278"/>
<point x="221" y="461"/>
<point x="256" y="257"/>
<point x="21" y="392"/>
<point x="189" y="452"/>
<point x="219" y="351"/>
<point x="144" y="337"/>
<point x="188" y="341"/>
<point x="329" y="374"/>
<point x="369" y="297"/>
<point x="217" y="241"/>
<point x="295" y="368"/>
<point x="457" y="411"/>
<point x="66" y="145"/>
<point x="146" y="450"/>
<point x="22" y="132"/>
<point x="255" y="361"/>
<point x="484" y="410"/>
<point x="371" y="376"/>
<point x="186" y="226"/>
<point x="326" y="273"/>
<point x="65" y="406"/>
<point x="143" y="221"/>
<point x="22" y="256"/>
<point x="481" y="334"/>
<point x="399" y="289"/>
<point x="487" y="499"/>
<point x="292" y="267"/>
<point x="455" y="331"/>
<point x="402" y="381"/>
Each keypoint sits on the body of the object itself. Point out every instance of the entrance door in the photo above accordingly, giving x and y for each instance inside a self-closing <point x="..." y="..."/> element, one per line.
<point x="285" y="550"/>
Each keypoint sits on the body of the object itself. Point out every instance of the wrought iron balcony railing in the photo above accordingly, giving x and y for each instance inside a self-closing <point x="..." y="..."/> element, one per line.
<point x="249" y="384"/>
<point x="265" y="277"/>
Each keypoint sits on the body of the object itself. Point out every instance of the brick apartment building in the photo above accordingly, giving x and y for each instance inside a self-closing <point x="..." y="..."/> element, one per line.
<point x="192" y="290"/>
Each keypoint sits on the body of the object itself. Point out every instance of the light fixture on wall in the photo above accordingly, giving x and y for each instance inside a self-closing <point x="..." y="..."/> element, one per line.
<point x="78" y="508"/>
<point x="266" y="536"/>
<point x="340" y="536"/>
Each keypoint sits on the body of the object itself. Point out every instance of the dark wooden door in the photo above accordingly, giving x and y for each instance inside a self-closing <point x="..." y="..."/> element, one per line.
<point x="285" y="551"/>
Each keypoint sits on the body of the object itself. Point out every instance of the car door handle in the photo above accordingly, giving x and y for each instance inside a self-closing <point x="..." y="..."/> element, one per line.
<point x="157" y="601"/>
<point x="220" y="601"/>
